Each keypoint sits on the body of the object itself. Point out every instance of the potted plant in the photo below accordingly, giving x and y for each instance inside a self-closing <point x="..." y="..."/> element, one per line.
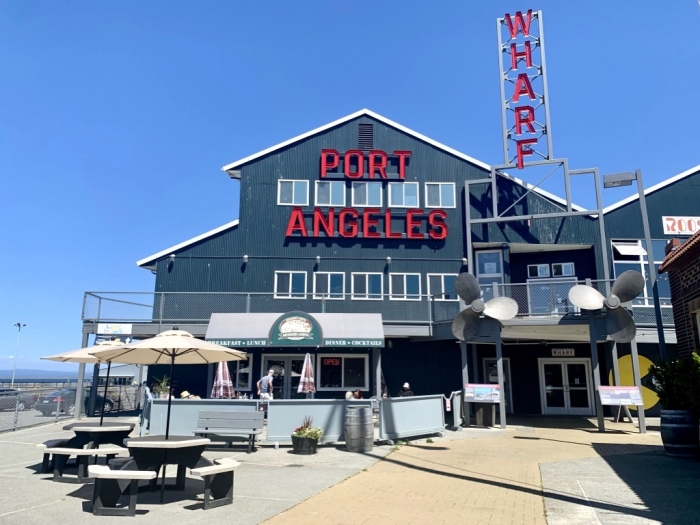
<point x="161" y="387"/>
<point x="677" y="383"/>
<point x="305" y="438"/>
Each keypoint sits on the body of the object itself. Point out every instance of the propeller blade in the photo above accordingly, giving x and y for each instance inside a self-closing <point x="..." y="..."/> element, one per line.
<point x="501" y="308"/>
<point x="628" y="286"/>
<point x="466" y="324"/>
<point x="586" y="297"/>
<point x="620" y="325"/>
<point x="467" y="287"/>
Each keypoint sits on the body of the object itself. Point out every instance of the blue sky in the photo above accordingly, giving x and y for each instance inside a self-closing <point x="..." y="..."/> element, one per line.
<point x="116" y="118"/>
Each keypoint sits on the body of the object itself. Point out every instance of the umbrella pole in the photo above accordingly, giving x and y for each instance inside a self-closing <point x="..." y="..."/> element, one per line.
<point x="104" y="397"/>
<point x="170" y="396"/>
<point x="167" y="424"/>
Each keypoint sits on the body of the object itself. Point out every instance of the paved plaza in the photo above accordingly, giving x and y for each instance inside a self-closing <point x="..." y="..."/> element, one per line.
<point x="539" y="470"/>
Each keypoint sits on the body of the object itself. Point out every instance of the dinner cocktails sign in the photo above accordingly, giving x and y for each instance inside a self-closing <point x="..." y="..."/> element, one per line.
<point x="526" y="126"/>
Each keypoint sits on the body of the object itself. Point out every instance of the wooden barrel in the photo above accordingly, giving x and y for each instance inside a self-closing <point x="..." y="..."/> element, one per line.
<point x="679" y="433"/>
<point x="359" y="429"/>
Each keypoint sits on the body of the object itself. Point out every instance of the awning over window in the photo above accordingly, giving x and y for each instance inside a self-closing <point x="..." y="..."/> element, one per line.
<point x="629" y="248"/>
<point x="296" y="329"/>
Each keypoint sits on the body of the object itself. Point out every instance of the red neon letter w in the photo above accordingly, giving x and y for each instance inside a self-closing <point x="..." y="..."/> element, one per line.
<point x="520" y="24"/>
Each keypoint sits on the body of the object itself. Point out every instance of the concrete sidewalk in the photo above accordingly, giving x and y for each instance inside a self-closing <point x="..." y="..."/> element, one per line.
<point x="539" y="470"/>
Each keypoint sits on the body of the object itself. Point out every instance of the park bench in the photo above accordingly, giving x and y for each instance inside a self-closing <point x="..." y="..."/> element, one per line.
<point x="222" y="426"/>
<point x="218" y="482"/>
<point x="83" y="455"/>
<point x="108" y="489"/>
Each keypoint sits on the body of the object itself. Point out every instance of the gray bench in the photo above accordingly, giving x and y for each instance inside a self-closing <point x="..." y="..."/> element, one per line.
<point x="47" y="463"/>
<point x="83" y="455"/>
<point x="218" y="482"/>
<point x="221" y="426"/>
<point x="108" y="490"/>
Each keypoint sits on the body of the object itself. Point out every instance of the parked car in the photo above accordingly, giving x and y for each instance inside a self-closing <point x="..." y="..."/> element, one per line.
<point x="65" y="400"/>
<point x="10" y="398"/>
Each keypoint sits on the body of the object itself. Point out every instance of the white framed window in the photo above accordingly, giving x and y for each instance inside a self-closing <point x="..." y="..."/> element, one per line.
<point x="538" y="270"/>
<point x="329" y="285"/>
<point x="403" y="194"/>
<point x="342" y="371"/>
<point x="441" y="286"/>
<point x="404" y="286"/>
<point x="367" y="286"/>
<point x="290" y="285"/>
<point x="330" y="193"/>
<point x="367" y="194"/>
<point x="292" y="192"/>
<point x="440" y="195"/>
<point x="630" y="254"/>
<point x="240" y="374"/>
<point x="563" y="270"/>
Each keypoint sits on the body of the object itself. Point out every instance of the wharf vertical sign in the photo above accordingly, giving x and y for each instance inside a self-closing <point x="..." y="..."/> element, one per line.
<point x="526" y="129"/>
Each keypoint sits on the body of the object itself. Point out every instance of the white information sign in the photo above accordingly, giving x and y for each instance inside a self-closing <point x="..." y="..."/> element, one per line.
<point x="681" y="225"/>
<point x="620" y="395"/>
<point x="482" y="393"/>
<point x="113" y="329"/>
<point x="563" y="352"/>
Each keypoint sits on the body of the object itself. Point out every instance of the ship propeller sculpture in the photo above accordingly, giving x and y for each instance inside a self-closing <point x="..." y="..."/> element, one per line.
<point x="466" y="325"/>
<point x="618" y="322"/>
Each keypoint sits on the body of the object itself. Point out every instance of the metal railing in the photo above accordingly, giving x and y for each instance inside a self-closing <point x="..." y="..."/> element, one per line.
<point x="37" y="406"/>
<point x="543" y="298"/>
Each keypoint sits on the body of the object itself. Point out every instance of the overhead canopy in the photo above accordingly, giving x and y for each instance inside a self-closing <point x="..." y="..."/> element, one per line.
<point x="296" y="329"/>
<point x="629" y="248"/>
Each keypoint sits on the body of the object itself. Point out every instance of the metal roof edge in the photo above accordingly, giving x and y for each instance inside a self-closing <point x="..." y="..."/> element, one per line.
<point x="347" y="118"/>
<point x="652" y="189"/>
<point x="146" y="261"/>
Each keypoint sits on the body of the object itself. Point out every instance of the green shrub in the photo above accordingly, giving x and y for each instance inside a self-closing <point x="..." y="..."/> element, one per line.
<point x="677" y="383"/>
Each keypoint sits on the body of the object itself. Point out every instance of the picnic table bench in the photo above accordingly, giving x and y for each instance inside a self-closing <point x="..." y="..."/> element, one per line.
<point x="221" y="426"/>
<point x="61" y="455"/>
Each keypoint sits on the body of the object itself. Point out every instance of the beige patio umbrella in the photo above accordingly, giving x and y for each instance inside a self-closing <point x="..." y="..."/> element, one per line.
<point x="170" y="347"/>
<point x="307" y="384"/>
<point x="84" y="355"/>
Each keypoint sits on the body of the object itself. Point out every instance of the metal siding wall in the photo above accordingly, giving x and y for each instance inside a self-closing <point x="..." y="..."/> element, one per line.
<point x="584" y="263"/>
<point x="678" y="199"/>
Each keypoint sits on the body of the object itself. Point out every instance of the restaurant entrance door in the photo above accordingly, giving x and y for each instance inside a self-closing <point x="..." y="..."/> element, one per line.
<point x="287" y="374"/>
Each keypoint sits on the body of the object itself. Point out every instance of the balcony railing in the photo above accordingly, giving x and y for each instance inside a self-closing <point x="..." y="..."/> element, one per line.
<point x="534" y="299"/>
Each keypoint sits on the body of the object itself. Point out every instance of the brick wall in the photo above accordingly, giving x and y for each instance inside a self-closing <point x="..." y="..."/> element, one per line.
<point x="685" y="296"/>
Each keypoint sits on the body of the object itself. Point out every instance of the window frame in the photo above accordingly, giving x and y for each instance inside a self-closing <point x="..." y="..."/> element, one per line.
<point x="403" y="194"/>
<point x="405" y="296"/>
<point x="441" y="205"/>
<point x="331" y="182"/>
<point x="432" y="293"/>
<point x="319" y="361"/>
<point x="366" y="297"/>
<point x="538" y="266"/>
<point x="573" y="269"/>
<point x="329" y="296"/>
<point x="294" y="181"/>
<point x="381" y="194"/>
<point x="290" y="296"/>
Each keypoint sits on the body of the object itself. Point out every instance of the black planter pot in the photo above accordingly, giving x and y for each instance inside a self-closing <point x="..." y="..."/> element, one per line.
<point x="679" y="433"/>
<point x="304" y="445"/>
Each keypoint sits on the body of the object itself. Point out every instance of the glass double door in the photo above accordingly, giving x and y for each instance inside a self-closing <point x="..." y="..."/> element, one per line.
<point x="565" y="387"/>
<point x="287" y="370"/>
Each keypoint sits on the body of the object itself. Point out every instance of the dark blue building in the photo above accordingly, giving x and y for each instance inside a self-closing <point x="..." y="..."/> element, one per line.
<point x="348" y="242"/>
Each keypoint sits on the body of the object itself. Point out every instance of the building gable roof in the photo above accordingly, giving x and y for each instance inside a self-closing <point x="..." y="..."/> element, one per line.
<point x="657" y="187"/>
<point x="234" y="165"/>
<point x="149" y="262"/>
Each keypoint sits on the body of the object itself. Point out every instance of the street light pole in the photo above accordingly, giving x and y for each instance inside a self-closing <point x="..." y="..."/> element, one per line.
<point x="652" y="266"/>
<point x="14" y="365"/>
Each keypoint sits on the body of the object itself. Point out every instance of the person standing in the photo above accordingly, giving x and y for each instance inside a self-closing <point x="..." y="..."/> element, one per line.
<point x="405" y="391"/>
<point x="265" y="387"/>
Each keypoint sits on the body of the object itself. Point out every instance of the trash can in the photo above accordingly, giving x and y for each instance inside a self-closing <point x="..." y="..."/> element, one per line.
<point x="359" y="429"/>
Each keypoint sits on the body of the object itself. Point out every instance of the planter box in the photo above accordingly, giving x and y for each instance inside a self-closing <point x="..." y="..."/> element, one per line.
<point x="679" y="433"/>
<point x="304" y="445"/>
